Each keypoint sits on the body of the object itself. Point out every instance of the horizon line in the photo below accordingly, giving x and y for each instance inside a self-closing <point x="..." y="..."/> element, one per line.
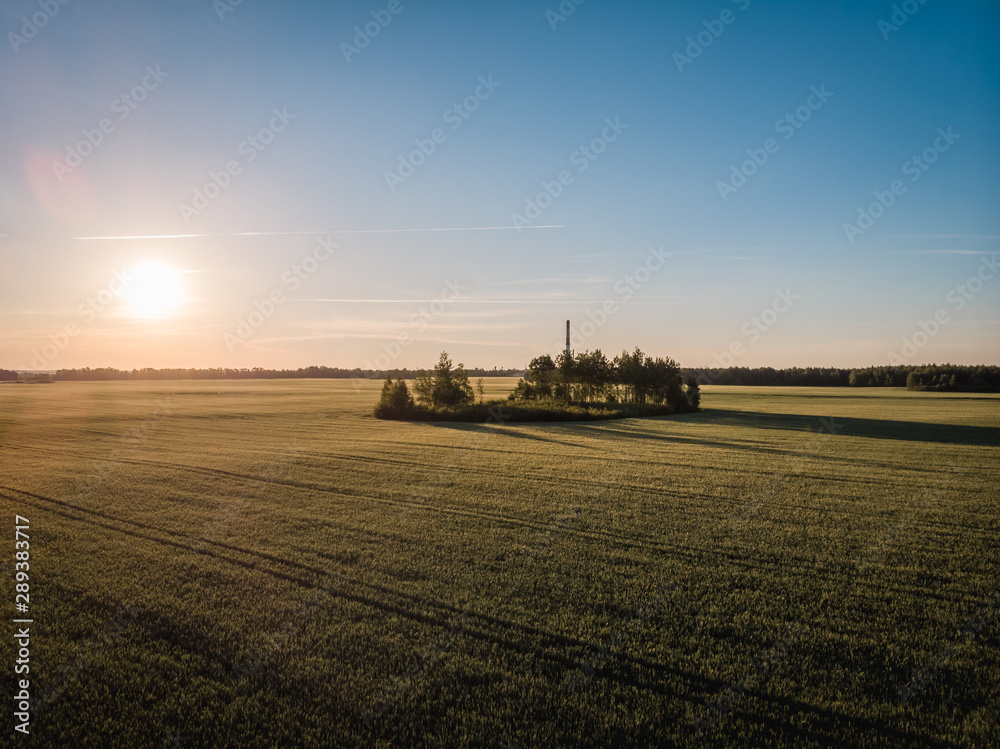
<point x="385" y="369"/>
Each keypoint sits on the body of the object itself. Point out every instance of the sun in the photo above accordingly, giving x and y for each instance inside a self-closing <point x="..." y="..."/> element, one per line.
<point x="154" y="290"/>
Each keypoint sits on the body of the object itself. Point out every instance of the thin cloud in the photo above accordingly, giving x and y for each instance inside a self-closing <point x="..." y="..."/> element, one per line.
<point x="739" y="247"/>
<point x="942" y="252"/>
<point x="736" y="248"/>
<point x="559" y="300"/>
<point x="590" y="257"/>
<point x="589" y="280"/>
<point x="940" y="236"/>
<point x="263" y="342"/>
<point x="474" y="343"/>
<point x="326" y="231"/>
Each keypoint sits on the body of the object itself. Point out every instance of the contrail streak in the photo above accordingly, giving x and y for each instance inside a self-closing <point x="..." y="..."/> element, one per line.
<point x="567" y="300"/>
<point x="332" y="231"/>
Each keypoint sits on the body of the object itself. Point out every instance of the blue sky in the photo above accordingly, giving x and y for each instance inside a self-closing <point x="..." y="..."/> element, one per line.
<point x="774" y="245"/>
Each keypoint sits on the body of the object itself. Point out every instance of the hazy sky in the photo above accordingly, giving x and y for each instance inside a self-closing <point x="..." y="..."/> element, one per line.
<point x="739" y="140"/>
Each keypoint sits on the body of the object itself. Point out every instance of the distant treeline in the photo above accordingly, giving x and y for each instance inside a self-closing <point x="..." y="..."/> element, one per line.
<point x="257" y="373"/>
<point x="808" y="377"/>
<point x="940" y="377"/>
<point x="8" y="376"/>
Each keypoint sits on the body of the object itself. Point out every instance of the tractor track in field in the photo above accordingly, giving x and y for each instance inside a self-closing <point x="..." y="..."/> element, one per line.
<point x="559" y="655"/>
<point x="560" y="651"/>
<point x="409" y="464"/>
<point x="415" y="499"/>
<point x="582" y="485"/>
<point x="789" y="565"/>
<point x="539" y="526"/>
<point x="616" y="540"/>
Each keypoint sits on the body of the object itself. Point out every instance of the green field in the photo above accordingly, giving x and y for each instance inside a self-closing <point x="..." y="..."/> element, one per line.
<point x="261" y="564"/>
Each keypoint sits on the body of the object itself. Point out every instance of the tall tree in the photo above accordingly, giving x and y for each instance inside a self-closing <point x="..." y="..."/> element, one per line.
<point x="693" y="393"/>
<point x="451" y="386"/>
<point x="541" y="375"/>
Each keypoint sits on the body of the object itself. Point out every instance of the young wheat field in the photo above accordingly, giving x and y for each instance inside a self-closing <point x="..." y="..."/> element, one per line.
<point x="262" y="564"/>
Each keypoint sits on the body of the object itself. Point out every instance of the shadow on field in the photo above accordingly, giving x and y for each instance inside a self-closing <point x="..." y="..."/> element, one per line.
<point x="909" y="431"/>
<point x="510" y="430"/>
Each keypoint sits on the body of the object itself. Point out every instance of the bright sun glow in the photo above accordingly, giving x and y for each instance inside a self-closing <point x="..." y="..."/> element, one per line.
<point x="154" y="290"/>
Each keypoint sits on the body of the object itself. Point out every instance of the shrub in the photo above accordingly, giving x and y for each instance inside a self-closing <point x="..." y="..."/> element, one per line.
<point x="694" y="393"/>
<point x="395" y="402"/>
<point x="445" y="387"/>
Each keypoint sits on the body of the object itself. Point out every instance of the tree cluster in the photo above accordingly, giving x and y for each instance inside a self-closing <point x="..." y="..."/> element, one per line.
<point x="445" y="387"/>
<point x="395" y="402"/>
<point x="937" y="377"/>
<point x="977" y="379"/>
<point x="590" y="377"/>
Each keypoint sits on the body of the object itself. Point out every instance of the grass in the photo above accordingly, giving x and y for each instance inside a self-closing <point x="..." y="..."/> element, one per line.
<point x="264" y="564"/>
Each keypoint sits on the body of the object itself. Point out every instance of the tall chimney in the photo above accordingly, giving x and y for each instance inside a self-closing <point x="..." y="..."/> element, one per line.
<point x="567" y="337"/>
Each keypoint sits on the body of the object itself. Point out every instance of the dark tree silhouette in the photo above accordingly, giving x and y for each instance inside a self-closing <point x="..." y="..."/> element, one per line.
<point x="587" y="378"/>
<point x="694" y="393"/>
<point x="446" y="386"/>
<point x="395" y="401"/>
